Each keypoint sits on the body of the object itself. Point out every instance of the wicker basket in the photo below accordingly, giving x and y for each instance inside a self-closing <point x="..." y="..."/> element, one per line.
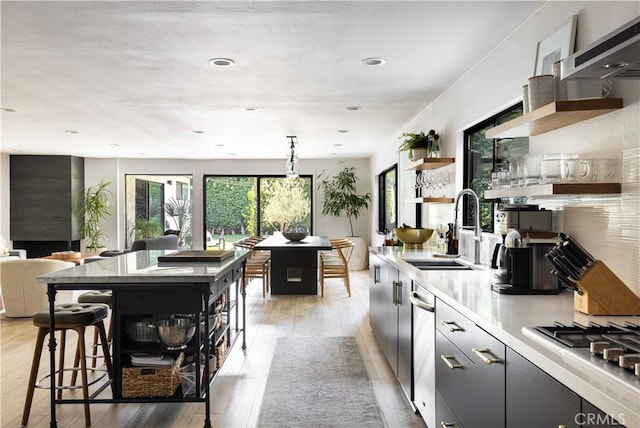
<point x="151" y="381"/>
<point x="221" y="351"/>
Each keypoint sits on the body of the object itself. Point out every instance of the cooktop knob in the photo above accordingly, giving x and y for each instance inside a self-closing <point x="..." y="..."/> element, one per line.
<point x="628" y="361"/>
<point x="597" y="346"/>
<point x="612" y="354"/>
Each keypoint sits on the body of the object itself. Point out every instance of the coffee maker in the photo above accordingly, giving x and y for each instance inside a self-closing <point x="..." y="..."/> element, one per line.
<point x="522" y="267"/>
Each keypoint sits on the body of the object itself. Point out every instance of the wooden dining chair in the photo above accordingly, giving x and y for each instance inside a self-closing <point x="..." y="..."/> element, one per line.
<point x="258" y="264"/>
<point x="335" y="264"/>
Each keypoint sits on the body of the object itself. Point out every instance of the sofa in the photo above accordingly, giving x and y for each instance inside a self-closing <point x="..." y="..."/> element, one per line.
<point x="166" y="242"/>
<point x="22" y="293"/>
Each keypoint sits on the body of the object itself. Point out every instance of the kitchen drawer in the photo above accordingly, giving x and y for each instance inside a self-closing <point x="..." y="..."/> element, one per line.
<point x="237" y="273"/>
<point x="455" y="327"/>
<point x="473" y="388"/>
<point x="444" y="416"/>
<point x="223" y="283"/>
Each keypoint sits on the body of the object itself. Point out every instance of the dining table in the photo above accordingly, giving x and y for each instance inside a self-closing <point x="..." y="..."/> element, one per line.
<point x="294" y="264"/>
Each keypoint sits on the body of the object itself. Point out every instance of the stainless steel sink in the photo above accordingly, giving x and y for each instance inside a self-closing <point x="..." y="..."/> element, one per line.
<point x="438" y="265"/>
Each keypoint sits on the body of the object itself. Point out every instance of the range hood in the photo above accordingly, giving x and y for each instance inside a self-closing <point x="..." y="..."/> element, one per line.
<point x="614" y="56"/>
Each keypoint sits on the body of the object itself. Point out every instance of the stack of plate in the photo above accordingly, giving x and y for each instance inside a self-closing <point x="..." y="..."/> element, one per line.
<point x="151" y="360"/>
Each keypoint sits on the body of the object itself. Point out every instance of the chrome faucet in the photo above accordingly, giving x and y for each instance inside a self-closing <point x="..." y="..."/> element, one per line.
<point x="478" y="232"/>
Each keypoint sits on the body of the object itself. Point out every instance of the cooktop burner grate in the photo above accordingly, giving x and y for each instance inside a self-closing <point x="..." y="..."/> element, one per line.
<point x="580" y="336"/>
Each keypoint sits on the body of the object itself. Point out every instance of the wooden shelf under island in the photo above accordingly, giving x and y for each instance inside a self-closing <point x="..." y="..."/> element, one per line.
<point x="430" y="163"/>
<point x="554" y="189"/>
<point x="554" y="116"/>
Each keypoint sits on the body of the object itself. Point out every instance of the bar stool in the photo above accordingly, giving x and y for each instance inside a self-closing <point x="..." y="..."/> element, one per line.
<point x="104" y="297"/>
<point x="71" y="316"/>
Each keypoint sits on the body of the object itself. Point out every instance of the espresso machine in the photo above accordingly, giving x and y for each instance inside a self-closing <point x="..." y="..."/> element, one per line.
<point x="522" y="267"/>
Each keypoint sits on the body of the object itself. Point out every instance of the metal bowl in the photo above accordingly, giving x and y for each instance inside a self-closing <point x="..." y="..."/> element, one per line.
<point x="413" y="237"/>
<point x="295" y="236"/>
<point x="176" y="332"/>
<point x="141" y="332"/>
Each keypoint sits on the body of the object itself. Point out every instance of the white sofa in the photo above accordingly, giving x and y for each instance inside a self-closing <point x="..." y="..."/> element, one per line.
<point x="22" y="294"/>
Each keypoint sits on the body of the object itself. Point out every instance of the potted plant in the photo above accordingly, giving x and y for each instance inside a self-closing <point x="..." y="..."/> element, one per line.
<point x="95" y="208"/>
<point x="340" y="197"/>
<point x="420" y="145"/>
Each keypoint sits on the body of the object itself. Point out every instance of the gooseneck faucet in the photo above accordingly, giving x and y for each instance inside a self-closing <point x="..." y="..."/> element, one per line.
<point x="478" y="231"/>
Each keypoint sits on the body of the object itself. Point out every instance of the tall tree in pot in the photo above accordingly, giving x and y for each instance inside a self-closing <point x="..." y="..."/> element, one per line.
<point x="95" y="208"/>
<point x="340" y="196"/>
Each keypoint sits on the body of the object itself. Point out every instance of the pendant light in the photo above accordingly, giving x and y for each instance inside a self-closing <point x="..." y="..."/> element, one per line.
<point x="292" y="168"/>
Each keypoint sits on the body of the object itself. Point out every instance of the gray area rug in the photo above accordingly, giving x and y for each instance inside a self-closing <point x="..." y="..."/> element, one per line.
<point x="318" y="382"/>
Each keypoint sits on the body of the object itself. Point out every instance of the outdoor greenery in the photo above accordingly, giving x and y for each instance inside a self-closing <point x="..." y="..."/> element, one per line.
<point x="147" y="228"/>
<point x="286" y="203"/>
<point x="227" y="197"/>
<point x="95" y="208"/>
<point x="180" y="211"/>
<point x="340" y="195"/>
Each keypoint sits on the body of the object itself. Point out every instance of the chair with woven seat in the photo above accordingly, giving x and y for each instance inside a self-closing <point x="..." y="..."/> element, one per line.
<point x="258" y="264"/>
<point x="335" y="264"/>
<point x="71" y="316"/>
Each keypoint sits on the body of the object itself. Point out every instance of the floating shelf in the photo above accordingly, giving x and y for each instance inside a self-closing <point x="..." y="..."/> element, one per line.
<point x="554" y="189"/>
<point x="429" y="200"/>
<point x="430" y="163"/>
<point x="553" y="116"/>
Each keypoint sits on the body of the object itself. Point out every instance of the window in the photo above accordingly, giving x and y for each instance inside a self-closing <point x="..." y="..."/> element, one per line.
<point x="387" y="199"/>
<point x="241" y="206"/>
<point x="152" y="208"/>
<point x="484" y="156"/>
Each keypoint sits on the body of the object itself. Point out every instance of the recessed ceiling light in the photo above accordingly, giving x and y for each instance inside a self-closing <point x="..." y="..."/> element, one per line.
<point x="343" y="131"/>
<point x="221" y="62"/>
<point x="8" y="110"/>
<point x="373" y="61"/>
<point x="353" y="108"/>
<point x="114" y="145"/>
<point x="70" y="131"/>
<point x="220" y="145"/>
<point x="197" y="131"/>
<point x="250" y="108"/>
<point x="338" y="144"/>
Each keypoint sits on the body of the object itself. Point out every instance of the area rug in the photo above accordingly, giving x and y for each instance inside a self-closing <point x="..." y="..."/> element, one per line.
<point x="318" y="382"/>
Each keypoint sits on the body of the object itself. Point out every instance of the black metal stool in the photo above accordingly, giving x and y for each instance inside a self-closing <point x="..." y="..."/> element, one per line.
<point x="72" y="316"/>
<point x="104" y="297"/>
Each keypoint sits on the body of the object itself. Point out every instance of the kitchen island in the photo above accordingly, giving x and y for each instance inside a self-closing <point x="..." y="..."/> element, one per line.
<point x="143" y="287"/>
<point x="511" y="319"/>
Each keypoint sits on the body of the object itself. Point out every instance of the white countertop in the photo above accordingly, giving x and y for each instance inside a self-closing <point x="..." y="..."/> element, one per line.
<point x="143" y="267"/>
<point x="508" y="317"/>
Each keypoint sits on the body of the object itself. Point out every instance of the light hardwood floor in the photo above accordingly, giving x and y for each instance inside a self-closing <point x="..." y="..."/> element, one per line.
<point x="237" y="391"/>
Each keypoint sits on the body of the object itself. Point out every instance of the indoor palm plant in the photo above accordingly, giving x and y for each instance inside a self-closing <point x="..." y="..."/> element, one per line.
<point x="95" y="209"/>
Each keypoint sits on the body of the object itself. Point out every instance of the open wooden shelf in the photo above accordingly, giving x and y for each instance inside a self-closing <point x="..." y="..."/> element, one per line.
<point x="429" y="200"/>
<point x="430" y="163"/>
<point x="554" y="189"/>
<point x="554" y="116"/>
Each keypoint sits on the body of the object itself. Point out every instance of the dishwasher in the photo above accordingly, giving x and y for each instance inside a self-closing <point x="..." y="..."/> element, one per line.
<point x="424" y="385"/>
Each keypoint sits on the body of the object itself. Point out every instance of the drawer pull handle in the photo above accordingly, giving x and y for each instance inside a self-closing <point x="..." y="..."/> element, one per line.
<point x="444" y="424"/>
<point x="452" y="366"/>
<point x="481" y="353"/>
<point x="452" y="326"/>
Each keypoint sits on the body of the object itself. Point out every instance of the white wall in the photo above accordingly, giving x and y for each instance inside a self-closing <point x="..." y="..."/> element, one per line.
<point x="609" y="227"/>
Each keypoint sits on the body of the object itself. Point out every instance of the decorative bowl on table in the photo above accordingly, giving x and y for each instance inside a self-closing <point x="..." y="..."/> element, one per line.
<point x="412" y="237"/>
<point x="295" y="234"/>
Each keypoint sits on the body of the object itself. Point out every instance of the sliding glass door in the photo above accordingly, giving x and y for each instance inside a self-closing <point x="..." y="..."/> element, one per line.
<point x="240" y="206"/>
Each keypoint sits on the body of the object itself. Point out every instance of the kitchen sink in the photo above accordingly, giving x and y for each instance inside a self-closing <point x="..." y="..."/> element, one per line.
<point x="438" y="265"/>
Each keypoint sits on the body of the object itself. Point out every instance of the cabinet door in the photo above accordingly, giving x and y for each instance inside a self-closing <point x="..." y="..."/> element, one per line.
<point x="534" y="399"/>
<point x="591" y="416"/>
<point x="391" y="318"/>
<point x="377" y="304"/>
<point x="404" y="335"/>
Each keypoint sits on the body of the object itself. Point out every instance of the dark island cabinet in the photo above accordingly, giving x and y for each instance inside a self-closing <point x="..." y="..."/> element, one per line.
<point x="390" y="318"/>
<point x="535" y="399"/>
<point x="470" y="373"/>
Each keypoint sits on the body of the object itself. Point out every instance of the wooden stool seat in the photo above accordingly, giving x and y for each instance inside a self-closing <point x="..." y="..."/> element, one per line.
<point x="77" y="317"/>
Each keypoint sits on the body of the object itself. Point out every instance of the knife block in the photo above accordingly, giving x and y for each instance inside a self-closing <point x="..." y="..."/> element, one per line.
<point x="604" y="293"/>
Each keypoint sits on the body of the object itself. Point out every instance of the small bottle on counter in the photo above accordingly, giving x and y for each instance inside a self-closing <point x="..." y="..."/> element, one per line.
<point x="441" y="244"/>
<point x="452" y="243"/>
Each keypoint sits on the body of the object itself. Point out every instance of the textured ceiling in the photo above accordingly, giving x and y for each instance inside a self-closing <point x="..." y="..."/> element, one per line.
<point x="132" y="79"/>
